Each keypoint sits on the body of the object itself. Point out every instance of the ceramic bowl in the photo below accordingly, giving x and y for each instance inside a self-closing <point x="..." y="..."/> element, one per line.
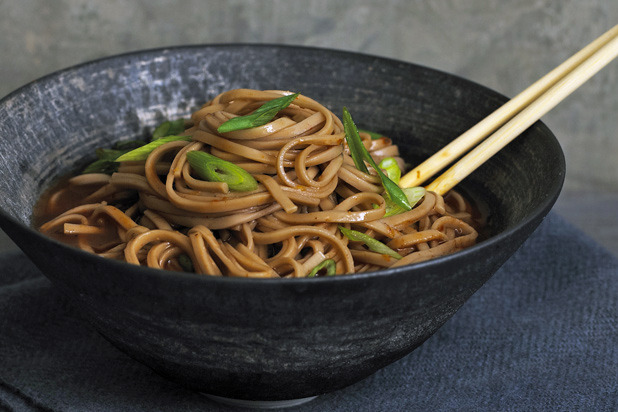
<point x="265" y="340"/>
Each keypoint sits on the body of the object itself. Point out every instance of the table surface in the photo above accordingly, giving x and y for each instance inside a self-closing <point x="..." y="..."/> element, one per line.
<point x="596" y="214"/>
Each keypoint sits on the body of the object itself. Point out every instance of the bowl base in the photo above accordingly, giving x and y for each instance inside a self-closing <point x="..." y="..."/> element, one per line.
<point x="260" y="404"/>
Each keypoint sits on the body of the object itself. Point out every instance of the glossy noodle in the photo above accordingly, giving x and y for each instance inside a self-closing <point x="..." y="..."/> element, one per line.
<point x="290" y="221"/>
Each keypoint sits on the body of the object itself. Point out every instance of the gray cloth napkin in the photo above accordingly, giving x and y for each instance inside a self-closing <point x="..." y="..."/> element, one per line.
<point x="542" y="334"/>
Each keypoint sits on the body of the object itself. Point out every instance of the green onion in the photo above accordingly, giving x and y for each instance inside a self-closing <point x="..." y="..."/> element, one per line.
<point x="141" y="153"/>
<point x="127" y="145"/>
<point x="105" y="163"/>
<point x="260" y="116"/>
<point x="391" y="167"/>
<point x="374" y="135"/>
<point x="133" y="149"/>
<point x="101" y="166"/>
<point x="355" y="144"/>
<point x="414" y="194"/>
<point x="394" y="192"/>
<point x="185" y="263"/>
<point x="329" y="264"/>
<point x="360" y="154"/>
<point x="372" y="244"/>
<point x="213" y="169"/>
<point x="169" y="128"/>
<point x="109" y="154"/>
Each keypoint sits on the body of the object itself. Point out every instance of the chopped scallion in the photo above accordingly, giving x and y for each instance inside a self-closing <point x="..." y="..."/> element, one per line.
<point x="414" y="194"/>
<point x="213" y="169"/>
<point x="260" y="116"/>
<point x="355" y="144"/>
<point x="141" y="153"/>
<point x="105" y="163"/>
<point x="185" y="263"/>
<point x="127" y="145"/>
<point x="374" y="135"/>
<point x="109" y="154"/>
<point x="391" y="167"/>
<point x="169" y="128"/>
<point x="372" y="244"/>
<point x="360" y="154"/>
<point x="101" y="166"/>
<point x="327" y="264"/>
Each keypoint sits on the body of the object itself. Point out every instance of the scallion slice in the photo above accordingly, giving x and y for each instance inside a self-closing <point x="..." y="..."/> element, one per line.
<point x="391" y="167"/>
<point x="260" y="116"/>
<point x="372" y="244"/>
<point x="141" y="153"/>
<point x="101" y="166"/>
<point x="169" y="128"/>
<point x="355" y="144"/>
<point x="126" y="145"/>
<point x="109" y="154"/>
<point x="360" y="154"/>
<point x="185" y="263"/>
<point x="414" y="194"/>
<point x="327" y="264"/>
<point x="374" y="135"/>
<point x="105" y="163"/>
<point x="213" y="169"/>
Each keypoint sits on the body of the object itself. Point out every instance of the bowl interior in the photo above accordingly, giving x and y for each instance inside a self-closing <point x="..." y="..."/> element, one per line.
<point x="52" y="126"/>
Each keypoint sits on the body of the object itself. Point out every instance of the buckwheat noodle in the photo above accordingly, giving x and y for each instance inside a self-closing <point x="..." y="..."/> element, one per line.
<point x="156" y="212"/>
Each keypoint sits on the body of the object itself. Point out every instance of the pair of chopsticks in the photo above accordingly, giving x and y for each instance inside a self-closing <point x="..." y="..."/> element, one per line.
<point x="514" y="117"/>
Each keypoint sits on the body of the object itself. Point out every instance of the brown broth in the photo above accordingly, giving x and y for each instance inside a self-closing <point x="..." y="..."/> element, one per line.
<point x="70" y="196"/>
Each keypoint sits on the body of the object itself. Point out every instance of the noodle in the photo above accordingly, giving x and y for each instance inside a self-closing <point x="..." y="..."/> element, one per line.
<point x="160" y="212"/>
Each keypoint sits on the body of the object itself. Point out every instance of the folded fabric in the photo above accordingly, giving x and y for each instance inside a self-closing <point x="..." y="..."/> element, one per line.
<point x="542" y="334"/>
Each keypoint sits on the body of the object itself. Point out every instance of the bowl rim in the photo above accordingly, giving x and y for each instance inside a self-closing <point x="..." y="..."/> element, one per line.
<point x="540" y="211"/>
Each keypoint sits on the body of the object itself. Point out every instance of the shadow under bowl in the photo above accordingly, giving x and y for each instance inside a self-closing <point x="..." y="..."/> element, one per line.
<point x="258" y="339"/>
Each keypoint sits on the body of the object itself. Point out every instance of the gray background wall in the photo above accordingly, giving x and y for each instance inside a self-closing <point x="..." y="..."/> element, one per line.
<point x="503" y="45"/>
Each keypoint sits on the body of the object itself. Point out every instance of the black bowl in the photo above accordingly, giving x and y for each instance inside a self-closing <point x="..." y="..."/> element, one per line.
<point x="265" y="339"/>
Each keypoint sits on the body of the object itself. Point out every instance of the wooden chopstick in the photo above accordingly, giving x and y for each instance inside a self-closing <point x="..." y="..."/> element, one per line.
<point x="520" y="112"/>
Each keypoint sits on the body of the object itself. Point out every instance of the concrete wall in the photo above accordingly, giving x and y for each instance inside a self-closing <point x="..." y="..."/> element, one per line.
<point x="503" y="45"/>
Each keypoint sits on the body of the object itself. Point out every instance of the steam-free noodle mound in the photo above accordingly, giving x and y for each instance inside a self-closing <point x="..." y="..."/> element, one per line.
<point x="277" y="192"/>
